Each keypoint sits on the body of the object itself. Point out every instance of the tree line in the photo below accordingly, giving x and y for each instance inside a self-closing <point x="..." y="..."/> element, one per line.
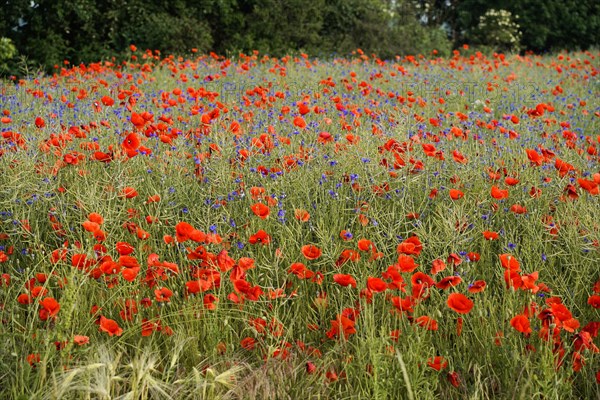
<point x="47" y="32"/>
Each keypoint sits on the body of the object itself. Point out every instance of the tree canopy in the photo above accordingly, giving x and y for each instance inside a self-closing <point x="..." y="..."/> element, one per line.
<point x="47" y="32"/>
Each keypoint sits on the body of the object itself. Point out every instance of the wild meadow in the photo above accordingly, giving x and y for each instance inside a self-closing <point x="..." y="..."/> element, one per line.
<point x="256" y="227"/>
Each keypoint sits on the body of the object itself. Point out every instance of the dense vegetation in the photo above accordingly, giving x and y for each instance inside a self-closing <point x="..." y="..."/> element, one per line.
<point x="260" y="227"/>
<point x="48" y="32"/>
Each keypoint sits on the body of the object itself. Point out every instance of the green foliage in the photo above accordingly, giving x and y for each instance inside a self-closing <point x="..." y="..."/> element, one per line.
<point x="497" y="29"/>
<point x="8" y="52"/>
<point x="47" y="32"/>
<point x="545" y="25"/>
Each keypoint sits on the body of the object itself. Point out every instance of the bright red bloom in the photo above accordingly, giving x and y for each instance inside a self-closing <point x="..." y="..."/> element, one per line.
<point x="261" y="237"/>
<point x="459" y="303"/>
<point x="131" y="142"/>
<point x="366" y="245"/>
<point x="376" y="284"/>
<point x="594" y="301"/>
<point x="438" y="363"/>
<point x="301" y="215"/>
<point x="129" y="192"/>
<point x="344" y="280"/>
<point x="107" y="101"/>
<point x="488" y="235"/>
<point x="498" y="193"/>
<point x="509" y="262"/>
<point x="341" y="326"/>
<point x="428" y="323"/>
<point x="110" y="326"/>
<point x="39" y="122"/>
<point x="51" y="306"/>
<point x="449" y="281"/>
<point x="406" y="263"/>
<point x="248" y="343"/>
<point x="477" y="286"/>
<point x="521" y="324"/>
<point x="80" y="340"/>
<point x="95" y="217"/>
<point x="311" y="252"/>
<point x="137" y="120"/>
<point x="300" y="271"/>
<point x="437" y="266"/>
<point x="456" y="194"/>
<point x="261" y="210"/>
<point x="518" y="209"/>
<point x="347" y="255"/>
<point x="163" y="294"/>
<point x="300" y="122"/>
<point x="410" y="246"/>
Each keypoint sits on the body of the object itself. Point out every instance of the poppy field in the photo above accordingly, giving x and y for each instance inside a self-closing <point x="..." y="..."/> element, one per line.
<point x="258" y="227"/>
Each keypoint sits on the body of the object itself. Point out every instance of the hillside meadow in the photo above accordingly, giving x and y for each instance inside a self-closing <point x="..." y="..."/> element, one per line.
<point x="257" y="227"/>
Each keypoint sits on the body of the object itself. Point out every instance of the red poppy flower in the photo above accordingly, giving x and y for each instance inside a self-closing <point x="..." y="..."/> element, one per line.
<point x="137" y="120"/>
<point x="365" y="245"/>
<point x="131" y="142"/>
<point x="426" y="322"/>
<point x="163" y="294"/>
<point x="80" y="340"/>
<point x="311" y="252"/>
<point x="406" y="263"/>
<point x="91" y="226"/>
<point x="449" y="281"/>
<point x="39" y="122"/>
<point x="107" y="101"/>
<point x="410" y="246"/>
<point x="303" y="109"/>
<point x="129" y="274"/>
<point x="183" y="231"/>
<point x="261" y="237"/>
<point x="248" y="343"/>
<point x="489" y="235"/>
<point x="261" y="210"/>
<point x="477" y="286"/>
<point x="344" y="280"/>
<point x="300" y="271"/>
<point x="341" y="326"/>
<point x="518" y="209"/>
<point x="376" y="284"/>
<point x="245" y="263"/>
<point x="300" y="122"/>
<point x="459" y="303"/>
<point x="110" y="326"/>
<point x="437" y="265"/>
<point x="97" y="218"/>
<point x="51" y="306"/>
<point x="594" y="301"/>
<point x="456" y="194"/>
<point x="33" y="359"/>
<point x="509" y="262"/>
<point x="301" y="215"/>
<point x="521" y="324"/>
<point x="438" y="363"/>
<point x="347" y="255"/>
<point x="129" y="192"/>
<point x="498" y="193"/>
<point x="454" y="379"/>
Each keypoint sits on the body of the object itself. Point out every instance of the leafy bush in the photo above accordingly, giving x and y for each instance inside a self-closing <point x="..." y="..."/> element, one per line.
<point x="498" y="29"/>
<point x="8" y="52"/>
